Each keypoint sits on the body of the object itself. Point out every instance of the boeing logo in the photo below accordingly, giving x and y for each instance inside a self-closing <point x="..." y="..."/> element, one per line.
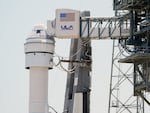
<point x="65" y="27"/>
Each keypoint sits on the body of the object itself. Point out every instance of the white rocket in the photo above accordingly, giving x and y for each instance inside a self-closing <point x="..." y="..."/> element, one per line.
<point x="39" y="49"/>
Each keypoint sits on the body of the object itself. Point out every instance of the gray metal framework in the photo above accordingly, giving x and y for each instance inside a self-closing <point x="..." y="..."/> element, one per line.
<point x="129" y="83"/>
<point x="121" y="97"/>
<point x="78" y="82"/>
<point x="137" y="45"/>
<point x="105" y="27"/>
<point x="77" y="96"/>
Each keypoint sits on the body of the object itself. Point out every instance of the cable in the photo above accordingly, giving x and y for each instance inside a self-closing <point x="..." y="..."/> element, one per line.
<point x="59" y="63"/>
<point x="60" y="66"/>
<point x="83" y="44"/>
<point x="86" y="42"/>
<point x="58" y="57"/>
<point x="68" y="71"/>
<point x="76" y="53"/>
<point x="127" y="49"/>
<point x="53" y="109"/>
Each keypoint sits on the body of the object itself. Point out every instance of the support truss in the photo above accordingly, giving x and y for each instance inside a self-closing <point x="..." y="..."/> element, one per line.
<point x="105" y="27"/>
<point x="121" y="97"/>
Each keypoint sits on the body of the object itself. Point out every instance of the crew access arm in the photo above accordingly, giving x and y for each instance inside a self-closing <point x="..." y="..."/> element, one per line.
<point x="72" y="25"/>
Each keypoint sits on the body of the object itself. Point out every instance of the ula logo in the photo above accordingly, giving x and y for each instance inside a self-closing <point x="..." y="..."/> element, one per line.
<point x="65" y="27"/>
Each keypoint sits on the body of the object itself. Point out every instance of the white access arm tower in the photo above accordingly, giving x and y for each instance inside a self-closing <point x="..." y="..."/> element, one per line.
<point x="39" y="49"/>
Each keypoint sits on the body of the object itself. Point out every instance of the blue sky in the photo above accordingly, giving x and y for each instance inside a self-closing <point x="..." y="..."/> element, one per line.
<point x="17" y="18"/>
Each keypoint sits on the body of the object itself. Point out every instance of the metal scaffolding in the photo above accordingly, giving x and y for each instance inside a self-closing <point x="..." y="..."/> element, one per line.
<point x="121" y="97"/>
<point x="137" y="45"/>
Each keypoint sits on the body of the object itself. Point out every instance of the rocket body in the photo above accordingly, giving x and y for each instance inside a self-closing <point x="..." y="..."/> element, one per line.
<point x="39" y="49"/>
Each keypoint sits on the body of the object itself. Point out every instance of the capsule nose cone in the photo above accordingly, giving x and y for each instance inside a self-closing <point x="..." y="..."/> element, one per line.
<point x="39" y="31"/>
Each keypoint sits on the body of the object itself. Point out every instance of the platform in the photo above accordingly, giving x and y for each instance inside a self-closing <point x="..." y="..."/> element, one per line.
<point x="136" y="58"/>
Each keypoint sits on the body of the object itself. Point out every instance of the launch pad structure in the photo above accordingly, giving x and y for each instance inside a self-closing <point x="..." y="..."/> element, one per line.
<point x="135" y="52"/>
<point x="130" y="70"/>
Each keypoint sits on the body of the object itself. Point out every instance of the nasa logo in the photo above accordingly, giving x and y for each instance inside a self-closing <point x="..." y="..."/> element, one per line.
<point x="65" y="27"/>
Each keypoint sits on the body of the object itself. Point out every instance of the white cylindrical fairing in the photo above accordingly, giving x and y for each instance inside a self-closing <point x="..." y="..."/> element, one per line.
<point x="38" y="90"/>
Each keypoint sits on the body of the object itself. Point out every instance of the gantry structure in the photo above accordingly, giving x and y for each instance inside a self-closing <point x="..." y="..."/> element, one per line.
<point x="130" y="70"/>
<point x="134" y="51"/>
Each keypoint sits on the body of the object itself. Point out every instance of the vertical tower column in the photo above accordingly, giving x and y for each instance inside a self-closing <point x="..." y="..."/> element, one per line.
<point x="77" y="97"/>
<point x="39" y="49"/>
<point x="38" y="90"/>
